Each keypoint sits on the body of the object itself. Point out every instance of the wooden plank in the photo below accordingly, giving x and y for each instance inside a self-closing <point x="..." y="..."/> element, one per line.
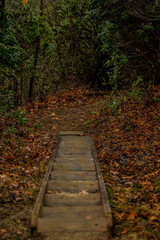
<point x="77" y="236"/>
<point x="82" y="161"/>
<point x="39" y="200"/>
<point x="68" y="133"/>
<point x="73" y="186"/>
<point x="65" y="154"/>
<point x="71" y="224"/>
<point x="73" y="148"/>
<point x="74" y="175"/>
<point x="73" y="167"/>
<point x="74" y="199"/>
<point x="74" y="158"/>
<point x="65" y="212"/>
<point x="105" y="201"/>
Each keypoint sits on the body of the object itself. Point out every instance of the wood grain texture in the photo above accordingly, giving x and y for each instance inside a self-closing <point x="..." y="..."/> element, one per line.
<point x="65" y="212"/>
<point x="73" y="186"/>
<point x="68" y="133"/>
<point x="74" y="175"/>
<point x="73" y="166"/>
<point x="77" y="236"/>
<point x="71" y="224"/>
<point x="64" y="199"/>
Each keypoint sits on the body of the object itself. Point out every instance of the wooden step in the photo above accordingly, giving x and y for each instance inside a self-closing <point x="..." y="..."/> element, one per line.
<point x="77" y="236"/>
<point x="69" y="154"/>
<point x="75" y="158"/>
<point x="72" y="148"/>
<point x="73" y="166"/>
<point x="80" y="211"/>
<point x="71" y="224"/>
<point x="73" y="186"/>
<point x="74" y="175"/>
<point x="61" y="199"/>
<point x="75" y="152"/>
<point x="75" y="161"/>
<point x="87" y="212"/>
<point x="71" y="133"/>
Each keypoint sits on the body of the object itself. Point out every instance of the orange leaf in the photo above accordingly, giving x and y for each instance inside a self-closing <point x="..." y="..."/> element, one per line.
<point x="119" y="216"/>
<point x="154" y="218"/>
<point x="131" y="216"/>
<point x="2" y="231"/>
<point x="124" y="230"/>
<point x="25" y="2"/>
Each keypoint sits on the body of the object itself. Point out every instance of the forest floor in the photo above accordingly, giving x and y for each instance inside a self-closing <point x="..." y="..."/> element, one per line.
<point x="127" y="137"/>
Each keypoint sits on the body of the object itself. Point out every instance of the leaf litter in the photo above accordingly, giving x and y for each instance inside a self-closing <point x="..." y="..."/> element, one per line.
<point x="127" y="140"/>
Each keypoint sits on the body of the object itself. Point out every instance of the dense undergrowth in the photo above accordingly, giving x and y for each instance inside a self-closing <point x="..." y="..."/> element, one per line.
<point x="109" y="44"/>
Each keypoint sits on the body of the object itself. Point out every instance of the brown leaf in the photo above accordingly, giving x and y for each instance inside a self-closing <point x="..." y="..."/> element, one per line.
<point x="2" y="231"/>
<point x="119" y="216"/>
<point x="154" y="218"/>
<point x="83" y="192"/>
<point x="125" y="230"/>
<point x="89" y="217"/>
<point x="132" y="215"/>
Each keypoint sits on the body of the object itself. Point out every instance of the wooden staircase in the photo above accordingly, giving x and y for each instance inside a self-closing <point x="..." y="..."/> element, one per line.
<point x="72" y="203"/>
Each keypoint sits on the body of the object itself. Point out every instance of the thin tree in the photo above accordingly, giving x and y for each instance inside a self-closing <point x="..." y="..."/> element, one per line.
<point x="36" y="55"/>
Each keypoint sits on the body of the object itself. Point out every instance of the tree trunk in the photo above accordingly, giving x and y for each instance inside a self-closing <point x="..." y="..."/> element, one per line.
<point x="36" y="55"/>
<point x="2" y="12"/>
<point x="32" y="80"/>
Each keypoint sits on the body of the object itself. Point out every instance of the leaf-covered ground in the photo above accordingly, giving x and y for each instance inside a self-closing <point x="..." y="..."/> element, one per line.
<point x="127" y="137"/>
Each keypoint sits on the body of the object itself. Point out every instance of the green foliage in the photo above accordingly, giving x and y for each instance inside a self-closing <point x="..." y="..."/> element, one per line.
<point x="114" y="66"/>
<point x="137" y="88"/>
<point x="20" y="117"/>
<point x="104" y="43"/>
<point x="23" y="27"/>
<point x="10" y="130"/>
<point x="127" y="124"/>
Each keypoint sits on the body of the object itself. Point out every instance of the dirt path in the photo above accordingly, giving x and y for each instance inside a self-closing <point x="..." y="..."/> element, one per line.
<point x="72" y="113"/>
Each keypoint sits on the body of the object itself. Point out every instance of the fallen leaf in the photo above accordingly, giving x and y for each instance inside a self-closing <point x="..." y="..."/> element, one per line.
<point x="125" y="230"/>
<point x="119" y="216"/>
<point x="83" y="192"/>
<point x="154" y="218"/>
<point x="132" y="215"/>
<point x="89" y="217"/>
<point x="54" y="128"/>
<point x="2" y="231"/>
<point x="121" y="199"/>
<point x="50" y="192"/>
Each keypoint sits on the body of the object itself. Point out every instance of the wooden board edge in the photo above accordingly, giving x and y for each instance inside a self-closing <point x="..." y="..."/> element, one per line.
<point x="70" y="133"/>
<point x="39" y="200"/>
<point x="105" y="201"/>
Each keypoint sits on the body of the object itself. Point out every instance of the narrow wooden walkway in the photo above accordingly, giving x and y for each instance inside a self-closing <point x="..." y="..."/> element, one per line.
<point x="72" y="203"/>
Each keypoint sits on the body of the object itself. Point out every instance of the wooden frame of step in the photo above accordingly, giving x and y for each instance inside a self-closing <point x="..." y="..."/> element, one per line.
<point x="40" y="198"/>
<point x="105" y="201"/>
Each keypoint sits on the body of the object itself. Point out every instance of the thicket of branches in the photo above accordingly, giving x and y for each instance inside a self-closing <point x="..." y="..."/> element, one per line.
<point x="105" y="42"/>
